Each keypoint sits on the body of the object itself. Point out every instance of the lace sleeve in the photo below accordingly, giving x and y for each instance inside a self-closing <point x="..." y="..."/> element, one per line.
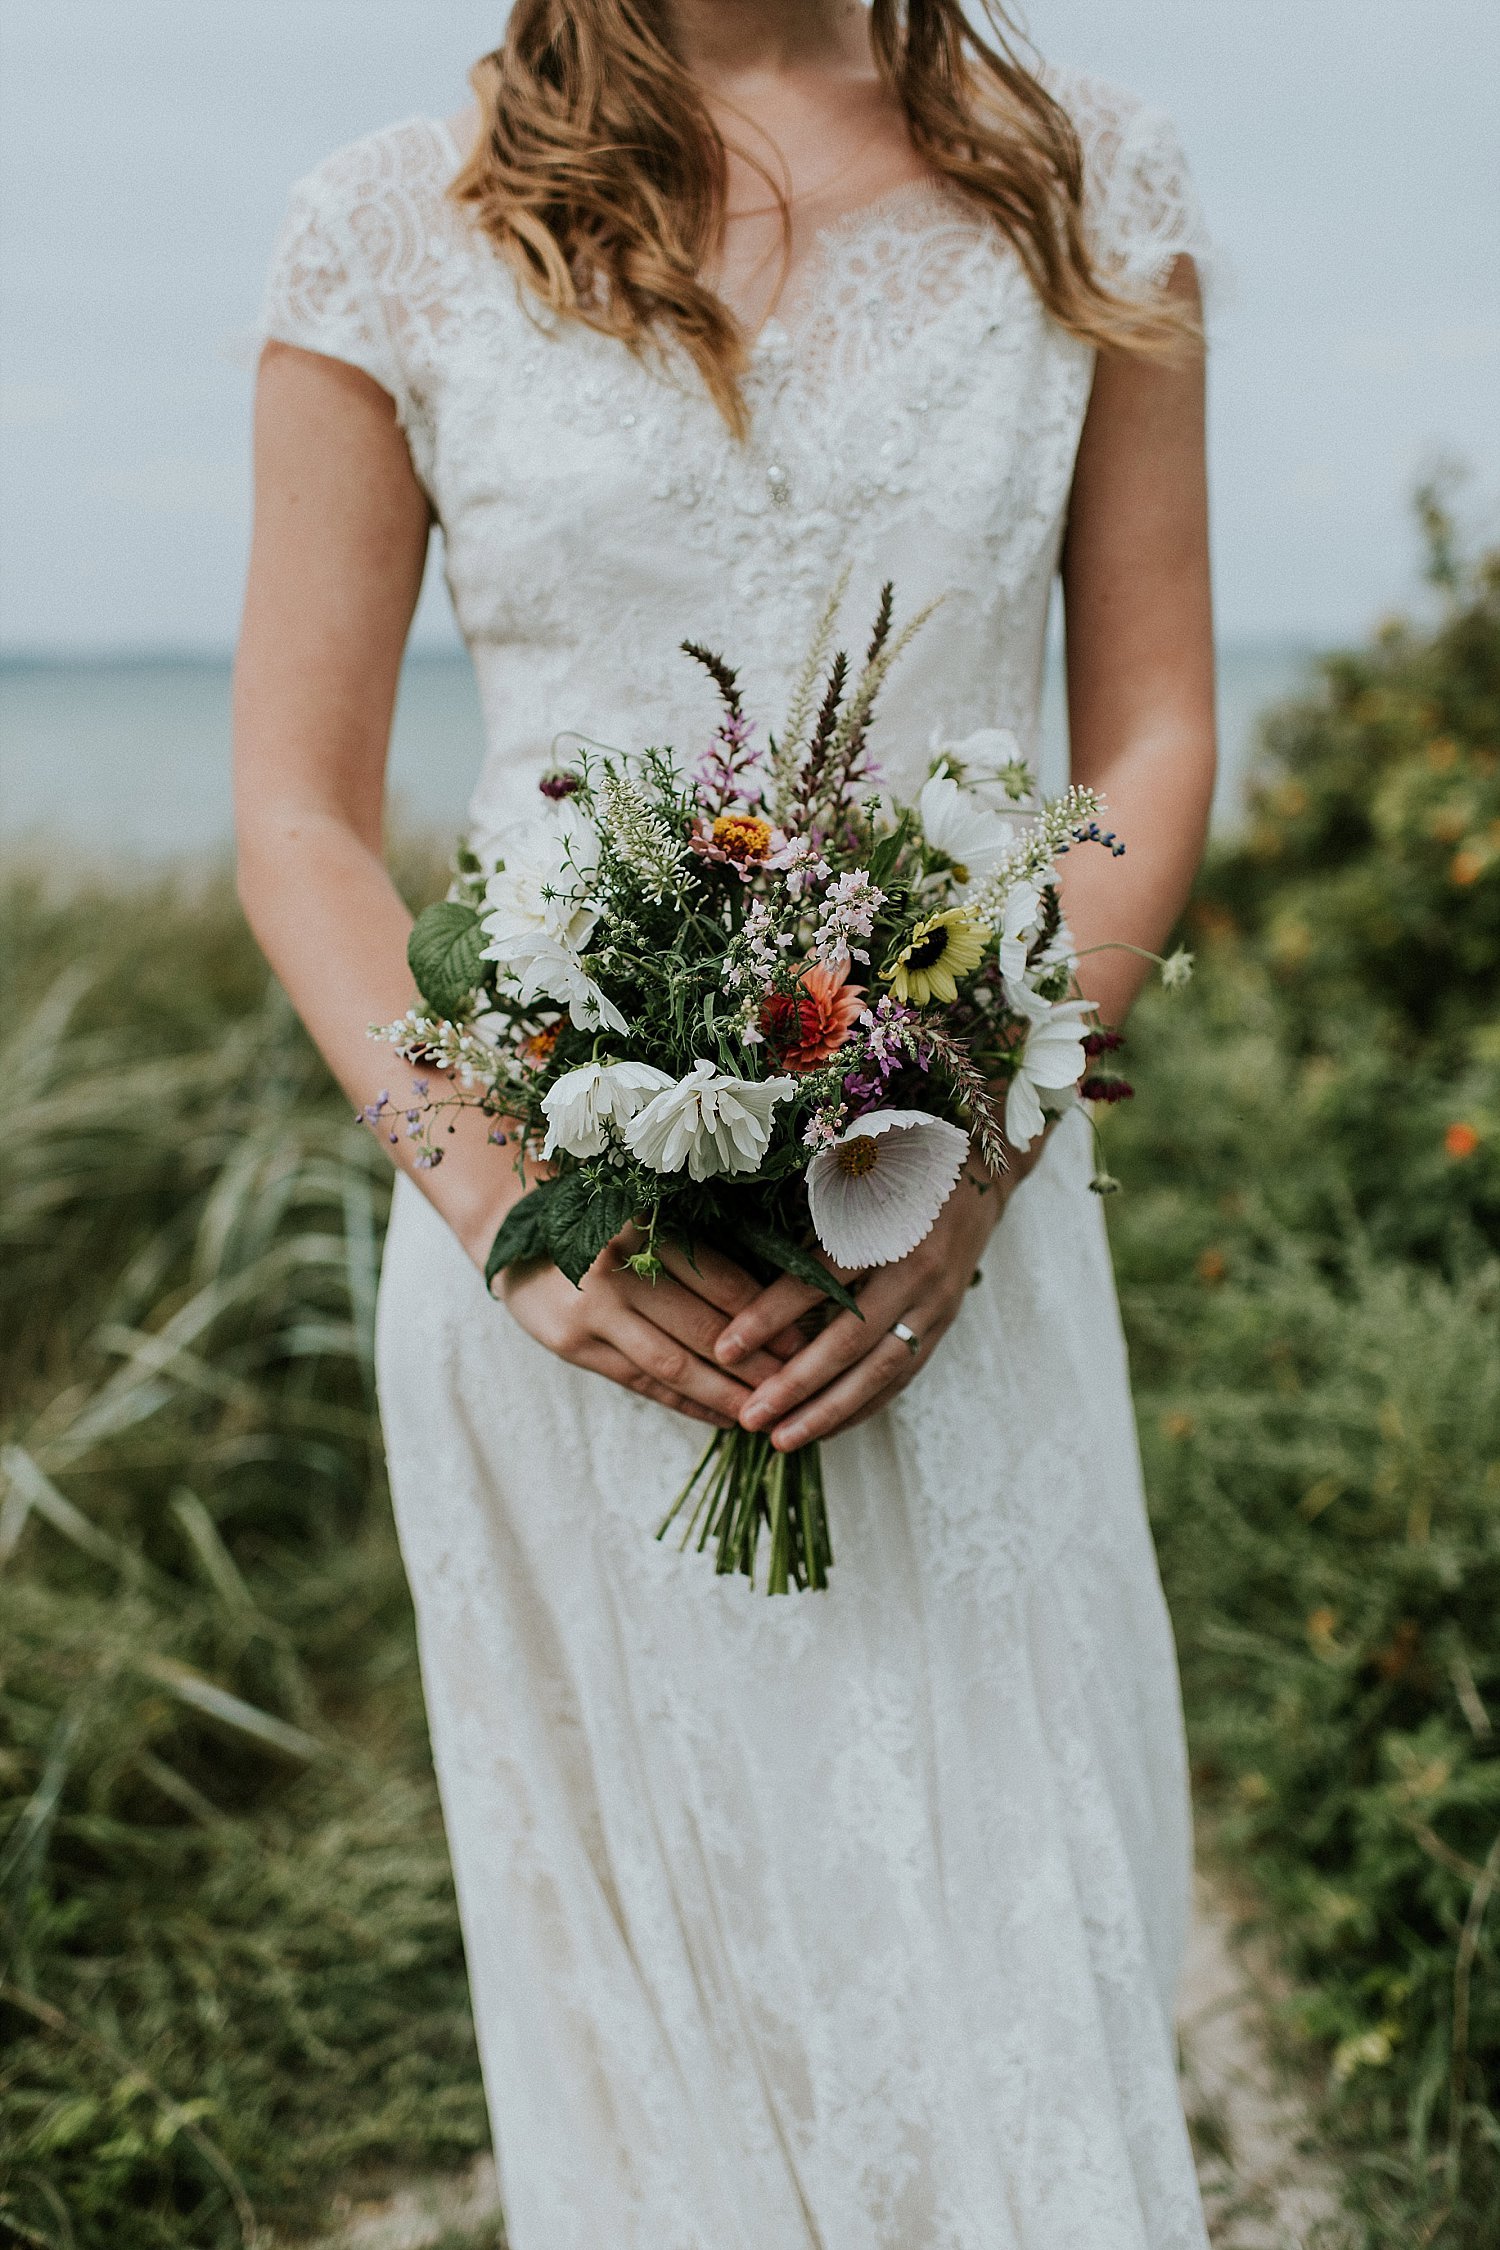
<point x="1147" y="213"/>
<point x="1141" y="209"/>
<point x="319" y="293"/>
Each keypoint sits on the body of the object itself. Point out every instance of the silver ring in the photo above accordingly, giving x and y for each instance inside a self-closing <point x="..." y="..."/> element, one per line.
<point x="908" y="1336"/>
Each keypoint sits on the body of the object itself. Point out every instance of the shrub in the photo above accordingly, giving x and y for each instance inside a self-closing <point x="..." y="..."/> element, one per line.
<point x="1307" y="1260"/>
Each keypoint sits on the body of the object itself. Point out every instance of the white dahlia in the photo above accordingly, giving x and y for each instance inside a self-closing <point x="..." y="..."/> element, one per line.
<point x="708" y="1121"/>
<point x="585" y="1102"/>
<point x="876" y="1192"/>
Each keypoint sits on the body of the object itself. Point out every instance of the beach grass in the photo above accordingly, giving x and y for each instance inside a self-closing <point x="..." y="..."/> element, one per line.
<point x="232" y="1976"/>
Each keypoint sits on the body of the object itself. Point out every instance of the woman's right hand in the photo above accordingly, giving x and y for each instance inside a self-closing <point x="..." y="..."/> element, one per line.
<point x="655" y="1338"/>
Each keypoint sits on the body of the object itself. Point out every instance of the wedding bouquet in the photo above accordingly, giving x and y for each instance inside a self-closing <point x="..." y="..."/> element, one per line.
<point x="758" y="1004"/>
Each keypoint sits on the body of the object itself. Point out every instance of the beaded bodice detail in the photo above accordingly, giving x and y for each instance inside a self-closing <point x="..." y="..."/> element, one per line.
<point x="914" y="415"/>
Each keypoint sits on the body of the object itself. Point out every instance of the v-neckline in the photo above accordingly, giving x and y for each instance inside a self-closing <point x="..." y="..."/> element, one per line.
<point x="774" y="332"/>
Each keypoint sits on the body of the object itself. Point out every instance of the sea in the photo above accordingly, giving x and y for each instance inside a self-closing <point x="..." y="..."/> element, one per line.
<point x="124" y="760"/>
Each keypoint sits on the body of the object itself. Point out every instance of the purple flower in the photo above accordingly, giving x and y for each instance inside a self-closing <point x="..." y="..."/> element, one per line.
<point x="558" y="785"/>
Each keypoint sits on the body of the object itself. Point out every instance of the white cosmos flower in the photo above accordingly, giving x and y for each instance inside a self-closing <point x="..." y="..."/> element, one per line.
<point x="982" y="754"/>
<point x="957" y="822"/>
<point x="585" y="1102"/>
<point x="876" y="1192"/>
<point x="1052" y="1061"/>
<point x="543" y="889"/>
<point x="544" y="968"/>
<point x="708" y="1121"/>
<point x="1018" y="926"/>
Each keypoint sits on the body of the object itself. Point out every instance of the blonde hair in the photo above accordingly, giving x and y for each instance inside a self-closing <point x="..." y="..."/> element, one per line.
<point x="600" y="174"/>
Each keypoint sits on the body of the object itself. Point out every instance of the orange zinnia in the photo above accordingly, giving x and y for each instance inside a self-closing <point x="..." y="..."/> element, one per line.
<point x="807" y="1026"/>
<point x="1460" y="1140"/>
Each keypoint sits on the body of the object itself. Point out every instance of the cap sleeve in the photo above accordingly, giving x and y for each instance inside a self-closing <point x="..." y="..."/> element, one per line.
<point x="1147" y="214"/>
<point x="1140" y="208"/>
<point x="319" y="292"/>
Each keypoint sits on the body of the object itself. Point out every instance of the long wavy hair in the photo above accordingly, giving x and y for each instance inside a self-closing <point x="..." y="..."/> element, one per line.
<point x="600" y="174"/>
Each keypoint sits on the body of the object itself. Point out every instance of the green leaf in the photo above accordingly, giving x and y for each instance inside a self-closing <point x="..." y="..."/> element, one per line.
<point x="521" y="1240"/>
<point x="779" y="1250"/>
<point x="886" y="853"/>
<point x="443" y="953"/>
<point x="580" y="1217"/>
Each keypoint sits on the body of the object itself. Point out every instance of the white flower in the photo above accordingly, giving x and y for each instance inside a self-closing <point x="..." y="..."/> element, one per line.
<point x="850" y="905"/>
<point x="543" y="888"/>
<point x="1053" y="1061"/>
<point x="708" y="1121"/>
<point x="980" y="754"/>
<point x="964" y="828"/>
<point x="1019" y="924"/>
<point x="544" y="968"/>
<point x="1177" y="969"/>
<point x="876" y="1192"/>
<point x="585" y="1102"/>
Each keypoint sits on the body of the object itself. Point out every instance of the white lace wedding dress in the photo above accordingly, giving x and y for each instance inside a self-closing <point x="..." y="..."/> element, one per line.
<point x="851" y="1920"/>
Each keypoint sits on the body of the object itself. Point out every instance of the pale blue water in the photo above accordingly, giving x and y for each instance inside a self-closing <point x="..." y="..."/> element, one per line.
<point x="129" y="759"/>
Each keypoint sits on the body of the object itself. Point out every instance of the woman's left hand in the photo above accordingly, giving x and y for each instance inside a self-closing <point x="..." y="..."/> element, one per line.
<point x="856" y="1365"/>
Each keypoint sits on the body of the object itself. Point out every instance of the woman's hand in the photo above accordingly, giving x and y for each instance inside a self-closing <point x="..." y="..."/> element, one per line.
<point x="857" y="1365"/>
<point x="656" y="1338"/>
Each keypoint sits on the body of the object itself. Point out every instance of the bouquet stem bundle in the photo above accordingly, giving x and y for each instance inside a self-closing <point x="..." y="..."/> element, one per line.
<point x="741" y="1483"/>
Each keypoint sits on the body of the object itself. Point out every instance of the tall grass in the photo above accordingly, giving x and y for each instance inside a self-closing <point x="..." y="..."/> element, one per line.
<point x="231" y="1971"/>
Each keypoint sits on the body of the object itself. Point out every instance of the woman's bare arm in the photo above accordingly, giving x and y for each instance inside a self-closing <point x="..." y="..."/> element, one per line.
<point x="341" y="530"/>
<point x="1139" y="656"/>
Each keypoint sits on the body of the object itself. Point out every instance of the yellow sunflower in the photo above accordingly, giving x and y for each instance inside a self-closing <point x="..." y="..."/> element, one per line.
<point x="938" y="952"/>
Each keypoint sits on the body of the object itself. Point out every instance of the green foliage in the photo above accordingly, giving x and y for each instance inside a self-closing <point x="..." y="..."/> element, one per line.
<point x="231" y="1976"/>
<point x="444" y="955"/>
<point x="1368" y="887"/>
<point x="1313" y="1302"/>
<point x="580" y="1216"/>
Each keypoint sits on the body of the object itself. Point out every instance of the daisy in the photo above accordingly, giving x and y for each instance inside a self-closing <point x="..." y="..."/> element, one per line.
<point x="964" y="829"/>
<point x="939" y="951"/>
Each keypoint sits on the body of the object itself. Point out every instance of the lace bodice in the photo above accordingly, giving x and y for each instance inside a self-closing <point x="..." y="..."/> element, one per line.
<point x="914" y="414"/>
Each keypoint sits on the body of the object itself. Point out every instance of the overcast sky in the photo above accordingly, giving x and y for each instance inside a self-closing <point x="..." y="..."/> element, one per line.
<point x="1346" y="150"/>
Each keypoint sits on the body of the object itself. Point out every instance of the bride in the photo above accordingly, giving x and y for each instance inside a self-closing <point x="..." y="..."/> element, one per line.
<point x="849" y="1920"/>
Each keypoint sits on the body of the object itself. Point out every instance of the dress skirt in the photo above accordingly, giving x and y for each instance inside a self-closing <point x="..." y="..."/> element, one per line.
<point x="843" y="1921"/>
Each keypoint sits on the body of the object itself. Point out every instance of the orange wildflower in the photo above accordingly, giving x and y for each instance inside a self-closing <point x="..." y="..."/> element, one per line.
<point x="805" y="1027"/>
<point x="1460" y="1141"/>
<point x="742" y="836"/>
